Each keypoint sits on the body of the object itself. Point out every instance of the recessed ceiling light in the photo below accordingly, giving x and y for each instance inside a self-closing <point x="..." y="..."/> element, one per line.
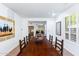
<point x="53" y="14"/>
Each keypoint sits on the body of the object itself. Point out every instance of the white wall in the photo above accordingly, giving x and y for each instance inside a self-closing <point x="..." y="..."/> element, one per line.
<point x="50" y="28"/>
<point x="8" y="45"/>
<point x="24" y="28"/>
<point x="69" y="45"/>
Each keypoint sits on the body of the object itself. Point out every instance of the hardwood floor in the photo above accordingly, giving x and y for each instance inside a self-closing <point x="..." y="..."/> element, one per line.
<point x="39" y="48"/>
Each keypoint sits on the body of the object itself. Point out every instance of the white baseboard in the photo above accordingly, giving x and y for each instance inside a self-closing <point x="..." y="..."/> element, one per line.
<point x="67" y="53"/>
<point x="14" y="52"/>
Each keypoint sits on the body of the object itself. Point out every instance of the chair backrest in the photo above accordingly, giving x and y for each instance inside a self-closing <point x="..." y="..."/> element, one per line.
<point x="59" y="46"/>
<point x="22" y="44"/>
<point x="50" y="39"/>
<point x="26" y="39"/>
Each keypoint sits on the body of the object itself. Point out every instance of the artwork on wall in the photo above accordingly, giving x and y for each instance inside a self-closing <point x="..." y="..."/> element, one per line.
<point x="58" y="28"/>
<point x="7" y="28"/>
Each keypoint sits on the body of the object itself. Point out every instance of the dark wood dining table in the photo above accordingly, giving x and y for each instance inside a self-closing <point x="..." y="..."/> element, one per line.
<point x="39" y="48"/>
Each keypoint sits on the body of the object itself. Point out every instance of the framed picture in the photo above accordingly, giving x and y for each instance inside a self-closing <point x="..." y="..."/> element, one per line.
<point x="7" y="28"/>
<point x="58" y="28"/>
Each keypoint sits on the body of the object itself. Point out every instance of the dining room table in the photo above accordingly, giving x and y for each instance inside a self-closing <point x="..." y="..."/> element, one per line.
<point x="39" y="47"/>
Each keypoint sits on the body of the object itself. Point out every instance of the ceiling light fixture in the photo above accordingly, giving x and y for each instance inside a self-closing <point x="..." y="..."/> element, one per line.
<point x="53" y="14"/>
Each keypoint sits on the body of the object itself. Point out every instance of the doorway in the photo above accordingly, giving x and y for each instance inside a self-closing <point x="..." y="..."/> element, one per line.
<point x="31" y="31"/>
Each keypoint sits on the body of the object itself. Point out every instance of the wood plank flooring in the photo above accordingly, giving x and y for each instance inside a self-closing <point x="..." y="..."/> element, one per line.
<point x="36" y="48"/>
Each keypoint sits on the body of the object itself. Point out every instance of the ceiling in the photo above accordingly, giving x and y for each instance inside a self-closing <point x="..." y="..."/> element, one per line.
<point x="38" y="10"/>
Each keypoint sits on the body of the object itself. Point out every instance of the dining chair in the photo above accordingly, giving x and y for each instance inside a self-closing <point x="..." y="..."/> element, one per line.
<point x="50" y="39"/>
<point x="45" y="37"/>
<point x="27" y="39"/>
<point x="22" y="44"/>
<point x="59" y="46"/>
